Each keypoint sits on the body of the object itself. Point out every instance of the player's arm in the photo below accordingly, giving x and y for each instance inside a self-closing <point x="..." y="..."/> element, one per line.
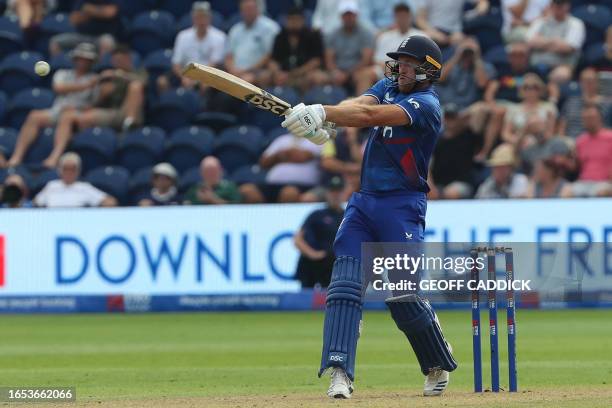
<point x="366" y="115"/>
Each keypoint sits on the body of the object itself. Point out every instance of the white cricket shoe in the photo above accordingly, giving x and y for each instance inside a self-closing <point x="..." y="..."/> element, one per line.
<point x="341" y="386"/>
<point x="436" y="382"/>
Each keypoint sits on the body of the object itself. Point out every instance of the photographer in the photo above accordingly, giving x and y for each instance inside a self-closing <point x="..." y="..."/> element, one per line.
<point x="14" y="193"/>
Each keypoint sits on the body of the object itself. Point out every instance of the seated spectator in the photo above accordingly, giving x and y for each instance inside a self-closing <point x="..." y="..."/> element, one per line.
<point x="537" y="144"/>
<point x="465" y="75"/>
<point x="315" y="239"/>
<point x="30" y="14"/>
<point x="250" y="44"/>
<point x="348" y="52"/>
<point x="532" y="105"/>
<point x="200" y="43"/>
<point x="547" y="181"/>
<point x="593" y="153"/>
<point x="14" y="193"/>
<point x="74" y="89"/>
<point x="556" y="40"/>
<point x="93" y="19"/>
<point x="213" y="189"/>
<point x="503" y="182"/>
<point x="293" y="164"/>
<point x="68" y="191"/>
<point x="381" y="14"/>
<point x="442" y="20"/>
<point x="604" y="63"/>
<point x="389" y="40"/>
<point x="570" y="121"/>
<point x="163" y="191"/>
<point x="297" y="51"/>
<point x="326" y="17"/>
<point x="518" y="16"/>
<point x="452" y="166"/>
<point x="118" y="104"/>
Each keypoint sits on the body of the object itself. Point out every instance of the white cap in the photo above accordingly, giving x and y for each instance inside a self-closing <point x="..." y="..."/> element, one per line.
<point x="165" y="169"/>
<point x="348" y="6"/>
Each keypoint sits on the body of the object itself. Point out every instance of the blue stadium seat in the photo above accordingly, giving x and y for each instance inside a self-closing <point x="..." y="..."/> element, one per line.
<point x="11" y="38"/>
<point x="597" y="19"/>
<point x="8" y="138"/>
<point x="174" y="109"/>
<point x="17" y="72"/>
<point x="282" y="19"/>
<point x="230" y="21"/>
<point x="105" y="62"/>
<point x="25" y="101"/>
<point x="40" y="149"/>
<point x="157" y="63"/>
<point x="273" y="134"/>
<point x="216" y="120"/>
<point x="249" y="174"/>
<point x="187" y="146"/>
<point x="152" y="30"/>
<point x="9" y="24"/>
<point x="177" y="8"/>
<point x="41" y="180"/>
<point x="113" y="180"/>
<point x="238" y="146"/>
<point x="139" y="185"/>
<point x="225" y="7"/>
<point x="22" y="171"/>
<point x="189" y="178"/>
<point x="486" y="28"/>
<point x="51" y="25"/>
<point x="131" y="8"/>
<point x="594" y="53"/>
<point x="96" y="146"/>
<point x="327" y="95"/>
<point x="497" y="56"/>
<point x="3" y="107"/>
<point x="217" y="20"/>
<point x="141" y="148"/>
<point x="61" y="61"/>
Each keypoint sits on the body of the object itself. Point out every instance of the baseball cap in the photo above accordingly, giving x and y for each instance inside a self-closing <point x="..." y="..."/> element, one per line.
<point x="503" y="155"/>
<point x="203" y="6"/>
<point x="335" y="183"/>
<point x="85" y="50"/>
<point x="348" y="6"/>
<point x="165" y="169"/>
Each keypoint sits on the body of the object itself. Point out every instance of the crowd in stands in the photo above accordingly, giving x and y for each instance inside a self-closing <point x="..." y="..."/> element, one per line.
<point x="526" y="91"/>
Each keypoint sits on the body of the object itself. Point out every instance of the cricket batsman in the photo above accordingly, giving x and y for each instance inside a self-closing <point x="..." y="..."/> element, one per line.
<point x="404" y="113"/>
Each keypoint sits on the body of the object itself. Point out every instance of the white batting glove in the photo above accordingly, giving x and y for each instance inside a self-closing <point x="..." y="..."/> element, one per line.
<point x="320" y="137"/>
<point x="305" y="120"/>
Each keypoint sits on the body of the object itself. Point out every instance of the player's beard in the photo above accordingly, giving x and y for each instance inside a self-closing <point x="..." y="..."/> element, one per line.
<point x="406" y="84"/>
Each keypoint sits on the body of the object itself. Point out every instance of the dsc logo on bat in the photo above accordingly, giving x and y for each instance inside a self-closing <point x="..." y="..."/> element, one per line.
<point x="266" y="103"/>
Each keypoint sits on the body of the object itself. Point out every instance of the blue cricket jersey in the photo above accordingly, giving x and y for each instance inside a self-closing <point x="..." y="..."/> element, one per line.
<point x="396" y="158"/>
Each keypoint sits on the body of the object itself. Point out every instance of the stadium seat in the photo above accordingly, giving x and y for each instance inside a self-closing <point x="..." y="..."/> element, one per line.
<point x="326" y="95"/>
<point x="273" y="134"/>
<point x="141" y="148"/>
<point x="61" y="61"/>
<point x="217" y="121"/>
<point x="41" y="180"/>
<point x="597" y="19"/>
<point x="225" y="7"/>
<point x="131" y="8"/>
<point x="113" y="180"/>
<point x="105" y="62"/>
<point x="177" y="8"/>
<point x="51" y="25"/>
<point x="25" y="101"/>
<point x="238" y="146"/>
<point x="230" y="21"/>
<point x="282" y="19"/>
<point x="9" y="24"/>
<point x="40" y="149"/>
<point x="8" y="138"/>
<point x="594" y="53"/>
<point x="174" y="109"/>
<point x="11" y="39"/>
<point x="157" y="63"/>
<point x="96" y="146"/>
<point x="217" y="20"/>
<point x="189" y="178"/>
<point x="22" y="171"/>
<point x="3" y="107"/>
<point x="17" y="72"/>
<point x="249" y="174"/>
<point x="152" y="30"/>
<point x="187" y="146"/>
<point x="139" y="185"/>
<point x="486" y="29"/>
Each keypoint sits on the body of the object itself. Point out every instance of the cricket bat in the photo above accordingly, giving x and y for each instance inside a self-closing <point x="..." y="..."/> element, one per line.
<point x="243" y="90"/>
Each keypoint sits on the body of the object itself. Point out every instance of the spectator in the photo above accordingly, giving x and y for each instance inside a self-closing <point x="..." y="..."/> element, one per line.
<point x="293" y="164"/>
<point x="452" y="167"/>
<point x="200" y="43"/>
<point x="315" y="239"/>
<point x="297" y="52"/>
<point x="74" y="89"/>
<point x="381" y="14"/>
<point x="93" y="19"/>
<point x="442" y="20"/>
<point x="68" y="191"/>
<point x="213" y="189"/>
<point x="163" y="191"/>
<point x="593" y="151"/>
<point x="518" y="116"/>
<point x="537" y="144"/>
<point x="348" y="52"/>
<point x="327" y="16"/>
<point x="570" y="122"/>
<point x="547" y="181"/>
<point x="250" y="43"/>
<point x="556" y="40"/>
<point x="465" y="75"/>
<point x="604" y="62"/>
<point x="119" y="103"/>
<point x="518" y="16"/>
<point x="30" y="14"/>
<point x="504" y="182"/>
<point x="15" y="193"/>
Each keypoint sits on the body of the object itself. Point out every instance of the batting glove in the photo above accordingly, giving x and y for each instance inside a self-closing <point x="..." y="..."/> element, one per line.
<point x="305" y="120"/>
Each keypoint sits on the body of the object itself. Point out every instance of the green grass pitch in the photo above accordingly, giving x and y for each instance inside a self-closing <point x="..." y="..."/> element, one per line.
<point x="111" y="358"/>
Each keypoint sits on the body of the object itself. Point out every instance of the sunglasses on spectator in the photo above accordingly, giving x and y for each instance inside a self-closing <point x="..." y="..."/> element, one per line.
<point x="531" y="86"/>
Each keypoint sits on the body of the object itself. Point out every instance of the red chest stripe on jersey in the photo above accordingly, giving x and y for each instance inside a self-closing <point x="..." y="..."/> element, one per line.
<point x="399" y="140"/>
<point x="408" y="165"/>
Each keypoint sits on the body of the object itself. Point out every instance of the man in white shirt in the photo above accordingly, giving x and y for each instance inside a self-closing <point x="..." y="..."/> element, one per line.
<point x="200" y="43"/>
<point x="68" y="191"/>
<point x="518" y="15"/>
<point x="250" y="44"/>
